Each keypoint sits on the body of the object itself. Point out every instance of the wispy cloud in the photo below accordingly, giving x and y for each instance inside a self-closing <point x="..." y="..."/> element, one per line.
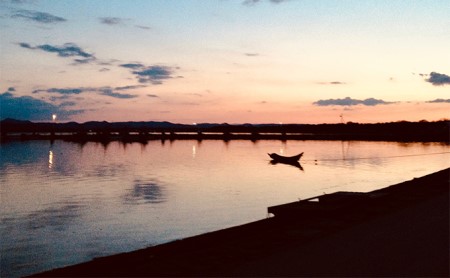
<point x="36" y="16"/>
<point x="66" y="50"/>
<point x="29" y="108"/>
<point x="438" y="79"/>
<point x="67" y="103"/>
<point x="132" y="65"/>
<point x="104" y="91"/>
<point x="253" y="2"/>
<point x="332" y="83"/>
<point x="350" y="102"/>
<point x="111" y="20"/>
<point x="120" y="21"/>
<point x="152" y="96"/>
<point x="62" y="91"/>
<point x="150" y="74"/>
<point x="251" y="54"/>
<point x="111" y="93"/>
<point x="129" y="87"/>
<point x="439" y="100"/>
<point x="143" y="27"/>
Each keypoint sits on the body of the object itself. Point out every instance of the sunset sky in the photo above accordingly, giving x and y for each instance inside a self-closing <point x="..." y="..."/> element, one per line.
<point x="235" y="61"/>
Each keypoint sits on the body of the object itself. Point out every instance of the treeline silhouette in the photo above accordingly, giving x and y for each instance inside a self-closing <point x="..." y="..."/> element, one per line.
<point x="423" y="131"/>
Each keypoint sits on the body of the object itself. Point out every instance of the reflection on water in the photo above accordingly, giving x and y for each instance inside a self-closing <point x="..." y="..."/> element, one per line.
<point x="64" y="203"/>
<point x="295" y="164"/>
<point x="149" y="191"/>
<point x="50" y="159"/>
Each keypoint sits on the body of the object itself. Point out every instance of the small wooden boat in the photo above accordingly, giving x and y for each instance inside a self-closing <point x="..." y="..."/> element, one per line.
<point x="285" y="159"/>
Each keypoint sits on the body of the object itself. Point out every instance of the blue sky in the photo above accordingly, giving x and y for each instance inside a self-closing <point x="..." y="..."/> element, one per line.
<point x="225" y="60"/>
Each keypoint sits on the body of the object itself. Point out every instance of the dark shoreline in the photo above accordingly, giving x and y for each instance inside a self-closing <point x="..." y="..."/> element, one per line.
<point x="105" y="132"/>
<point x="401" y="230"/>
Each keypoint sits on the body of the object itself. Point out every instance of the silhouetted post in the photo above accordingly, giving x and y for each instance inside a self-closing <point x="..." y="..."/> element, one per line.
<point x="254" y="136"/>
<point x="199" y="135"/>
<point x="226" y="136"/>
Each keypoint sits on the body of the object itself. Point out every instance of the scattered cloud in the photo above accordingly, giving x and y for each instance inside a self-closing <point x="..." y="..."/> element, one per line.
<point x="36" y="16"/>
<point x="29" y="108"/>
<point x="66" y="50"/>
<point x="251" y="54"/>
<point x="439" y="100"/>
<point x="105" y="91"/>
<point x="20" y="1"/>
<point x="438" y="79"/>
<point x="129" y="87"/>
<point x="67" y="103"/>
<point x="132" y="65"/>
<point x="350" y="102"/>
<point x="120" y="21"/>
<point x="111" y="20"/>
<point x="154" y="74"/>
<point x="111" y="93"/>
<point x="58" y="98"/>
<point x="332" y="83"/>
<point x="143" y="27"/>
<point x="152" y="96"/>
<point x="62" y="91"/>
<point x="253" y="2"/>
<point x="150" y="74"/>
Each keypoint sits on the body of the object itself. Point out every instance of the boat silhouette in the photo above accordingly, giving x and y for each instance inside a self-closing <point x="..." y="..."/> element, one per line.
<point x="285" y="159"/>
<point x="289" y="160"/>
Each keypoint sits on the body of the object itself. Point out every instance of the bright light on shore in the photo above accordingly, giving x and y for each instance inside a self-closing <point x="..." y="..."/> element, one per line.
<point x="54" y="117"/>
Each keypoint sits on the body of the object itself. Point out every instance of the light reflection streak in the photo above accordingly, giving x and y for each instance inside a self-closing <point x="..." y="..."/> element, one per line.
<point x="50" y="159"/>
<point x="194" y="151"/>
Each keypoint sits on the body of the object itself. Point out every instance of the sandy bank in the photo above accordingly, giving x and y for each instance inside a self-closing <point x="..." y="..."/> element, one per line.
<point x="402" y="231"/>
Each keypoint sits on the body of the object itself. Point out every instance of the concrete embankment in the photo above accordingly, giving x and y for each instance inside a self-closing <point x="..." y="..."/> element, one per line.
<point x="401" y="230"/>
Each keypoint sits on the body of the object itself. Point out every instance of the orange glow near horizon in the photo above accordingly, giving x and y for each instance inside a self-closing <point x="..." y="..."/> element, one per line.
<point x="220" y="62"/>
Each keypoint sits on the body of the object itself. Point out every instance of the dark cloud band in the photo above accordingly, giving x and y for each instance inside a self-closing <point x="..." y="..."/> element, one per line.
<point x="439" y="100"/>
<point x="104" y="91"/>
<point x="350" y="102"/>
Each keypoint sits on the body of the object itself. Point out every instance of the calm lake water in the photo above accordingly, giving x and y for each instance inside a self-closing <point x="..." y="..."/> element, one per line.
<point x="65" y="203"/>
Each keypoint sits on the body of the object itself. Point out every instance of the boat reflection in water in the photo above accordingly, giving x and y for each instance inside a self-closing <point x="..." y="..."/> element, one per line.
<point x="295" y="163"/>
